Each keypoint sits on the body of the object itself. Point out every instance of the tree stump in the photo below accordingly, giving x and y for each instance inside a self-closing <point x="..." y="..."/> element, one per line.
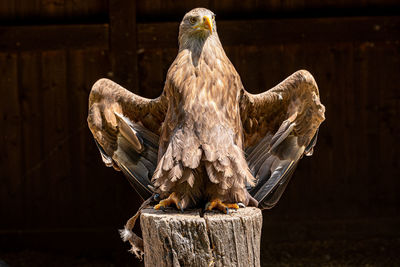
<point x="172" y="238"/>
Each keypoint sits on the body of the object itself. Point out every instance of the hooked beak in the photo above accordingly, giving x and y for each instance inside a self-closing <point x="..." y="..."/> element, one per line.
<point x="206" y="24"/>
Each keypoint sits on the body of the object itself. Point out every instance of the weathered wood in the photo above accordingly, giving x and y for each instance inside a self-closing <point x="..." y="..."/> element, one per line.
<point x="175" y="239"/>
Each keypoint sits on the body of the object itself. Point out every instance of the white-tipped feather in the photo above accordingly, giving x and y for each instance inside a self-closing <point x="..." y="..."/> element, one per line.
<point x="125" y="234"/>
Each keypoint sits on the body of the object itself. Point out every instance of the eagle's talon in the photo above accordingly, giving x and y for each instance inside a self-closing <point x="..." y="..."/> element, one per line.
<point x="179" y="206"/>
<point x="219" y="205"/>
<point x="241" y="205"/>
<point x="233" y="206"/>
<point x="161" y="205"/>
<point x="172" y="199"/>
<point x="209" y="206"/>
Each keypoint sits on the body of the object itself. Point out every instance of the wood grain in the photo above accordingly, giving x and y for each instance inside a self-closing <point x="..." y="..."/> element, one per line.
<point x="175" y="239"/>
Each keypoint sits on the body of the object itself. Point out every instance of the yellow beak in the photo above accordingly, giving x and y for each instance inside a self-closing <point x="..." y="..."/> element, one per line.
<point x="207" y="23"/>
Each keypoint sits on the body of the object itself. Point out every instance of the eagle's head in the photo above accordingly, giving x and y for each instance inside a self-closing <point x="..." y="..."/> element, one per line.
<point x="197" y="25"/>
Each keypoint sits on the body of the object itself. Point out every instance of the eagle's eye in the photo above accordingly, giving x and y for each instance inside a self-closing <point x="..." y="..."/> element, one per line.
<point x="192" y="20"/>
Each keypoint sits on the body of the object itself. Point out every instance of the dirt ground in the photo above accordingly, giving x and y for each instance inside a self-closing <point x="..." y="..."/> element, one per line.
<point x="371" y="252"/>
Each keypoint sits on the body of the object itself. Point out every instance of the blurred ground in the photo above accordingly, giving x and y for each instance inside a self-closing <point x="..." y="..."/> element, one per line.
<point x="371" y="252"/>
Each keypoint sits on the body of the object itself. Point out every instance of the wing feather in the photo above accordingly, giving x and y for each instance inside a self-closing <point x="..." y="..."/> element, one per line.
<point x="126" y="128"/>
<point x="280" y="125"/>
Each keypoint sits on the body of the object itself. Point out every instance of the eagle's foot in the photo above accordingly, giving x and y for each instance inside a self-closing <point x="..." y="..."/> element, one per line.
<point x="172" y="199"/>
<point x="219" y="205"/>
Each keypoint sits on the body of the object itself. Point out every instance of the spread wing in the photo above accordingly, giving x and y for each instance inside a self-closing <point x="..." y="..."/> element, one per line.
<point x="280" y="126"/>
<point x="126" y="129"/>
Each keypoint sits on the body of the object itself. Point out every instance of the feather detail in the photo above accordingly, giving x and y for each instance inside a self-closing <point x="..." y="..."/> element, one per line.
<point x="211" y="173"/>
<point x="288" y="118"/>
<point x="209" y="153"/>
<point x="168" y="160"/>
<point x="190" y="179"/>
<point x="176" y="173"/>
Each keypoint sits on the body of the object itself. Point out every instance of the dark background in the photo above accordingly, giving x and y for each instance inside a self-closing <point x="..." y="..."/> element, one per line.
<point x="59" y="205"/>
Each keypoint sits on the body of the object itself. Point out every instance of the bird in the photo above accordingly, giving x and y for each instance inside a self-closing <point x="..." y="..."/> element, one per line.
<point x="206" y="141"/>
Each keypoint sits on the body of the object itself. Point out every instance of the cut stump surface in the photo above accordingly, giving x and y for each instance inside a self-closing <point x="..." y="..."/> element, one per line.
<point x="172" y="238"/>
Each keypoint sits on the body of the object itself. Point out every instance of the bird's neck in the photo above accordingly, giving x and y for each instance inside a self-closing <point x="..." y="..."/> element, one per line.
<point x="202" y="47"/>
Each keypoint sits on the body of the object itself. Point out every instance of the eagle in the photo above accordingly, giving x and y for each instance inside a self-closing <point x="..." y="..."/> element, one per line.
<point x="206" y="141"/>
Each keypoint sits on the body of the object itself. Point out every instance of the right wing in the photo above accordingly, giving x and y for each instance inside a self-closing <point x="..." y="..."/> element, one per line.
<point x="126" y="130"/>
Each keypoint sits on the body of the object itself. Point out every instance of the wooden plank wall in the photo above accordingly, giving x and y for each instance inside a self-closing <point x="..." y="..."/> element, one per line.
<point x="24" y="12"/>
<point x="51" y="52"/>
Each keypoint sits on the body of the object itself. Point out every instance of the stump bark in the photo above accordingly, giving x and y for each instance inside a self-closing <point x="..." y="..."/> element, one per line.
<point x="172" y="238"/>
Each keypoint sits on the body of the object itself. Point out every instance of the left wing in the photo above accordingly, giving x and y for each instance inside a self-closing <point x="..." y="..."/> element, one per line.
<point x="280" y="126"/>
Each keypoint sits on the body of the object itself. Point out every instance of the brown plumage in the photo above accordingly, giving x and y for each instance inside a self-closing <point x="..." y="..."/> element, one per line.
<point x="214" y="139"/>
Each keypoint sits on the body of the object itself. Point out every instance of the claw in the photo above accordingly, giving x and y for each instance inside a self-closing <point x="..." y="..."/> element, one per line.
<point x="163" y="204"/>
<point x="172" y="199"/>
<point x="179" y="206"/>
<point x="241" y="205"/>
<point x="218" y="204"/>
<point x="233" y="206"/>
